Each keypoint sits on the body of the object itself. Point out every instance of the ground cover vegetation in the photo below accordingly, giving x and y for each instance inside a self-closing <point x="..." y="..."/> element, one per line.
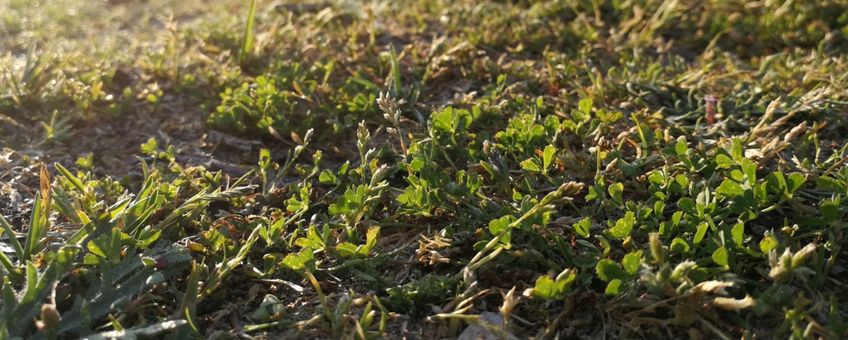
<point x="387" y="169"/>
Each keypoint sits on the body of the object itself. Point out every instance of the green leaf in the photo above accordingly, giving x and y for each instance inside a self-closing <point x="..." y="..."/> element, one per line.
<point x="350" y="250"/>
<point x="676" y="217"/>
<point x="371" y="237"/>
<point x="351" y="201"/>
<point x="632" y="261"/>
<point x="501" y="227"/>
<point x="729" y="188"/>
<point x="795" y="181"/>
<point x="149" y="147"/>
<point x="737" y="175"/>
<point x="298" y="201"/>
<point x="553" y="289"/>
<point x="679" y="245"/>
<point x="680" y="148"/>
<point x="347" y="250"/>
<point x="682" y="181"/>
<point x="615" y="191"/>
<point x="623" y="226"/>
<point x="749" y="168"/>
<point x="724" y="162"/>
<point x="86" y="162"/>
<point x="657" y="177"/>
<point x="451" y="120"/>
<point x="738" y="233"/>
<point x="147" y="236"/>
<point x="613" y="288"/>
<point x="312" y="240"/>
<point x="74" y="180"/>
<point x="416" y="164"/>
<point x="300" y="261"/>
<point x="736" y="149"/>
<point x="264" y="159"/>
<point x="830" y="183"/>
<point x="585" y="105"/>
<point x="328" y="177"/>
<point x="595" y="192"/>
<point x="583" y="227"/>
<point x="686" y="204"/>
<point x="720" y="257"/>
<point x="270" y="309"/>
<point x="608" y="270"/>
<point x="830" y="210"/>
<point x="701" y="232"/>
<point x="768" y="243"/>
<point x="776" y="182"/>
<point x="548" y="156"/>
<point x="577" y="116"/>
<point x="531" y="165"/>
<point x="8" y="266"/>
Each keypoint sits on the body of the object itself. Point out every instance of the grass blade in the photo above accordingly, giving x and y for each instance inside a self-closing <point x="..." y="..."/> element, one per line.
<point x="395" y="73"/>
<point x="37" y="228"/>
<point x="13" y="239"/>
<point x="247" y="38"/>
